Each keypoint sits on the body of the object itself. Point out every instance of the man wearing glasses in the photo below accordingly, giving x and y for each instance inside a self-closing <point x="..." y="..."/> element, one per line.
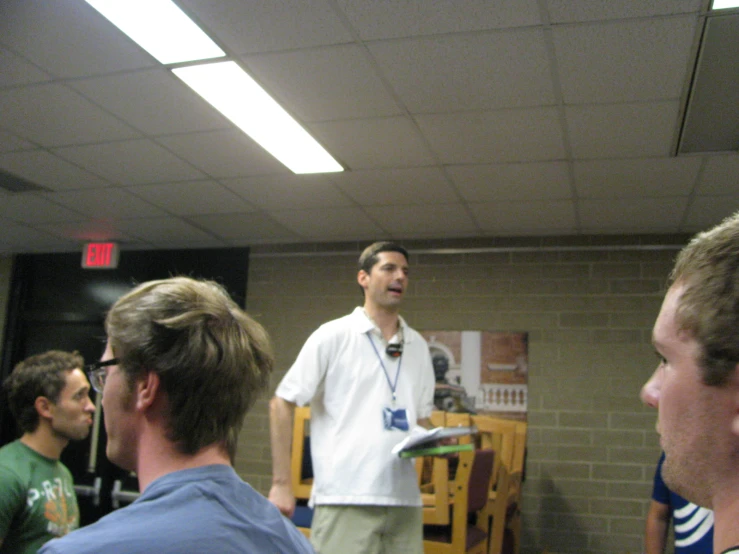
<point x="182" y="366"/>
<point x="49" y="397"/>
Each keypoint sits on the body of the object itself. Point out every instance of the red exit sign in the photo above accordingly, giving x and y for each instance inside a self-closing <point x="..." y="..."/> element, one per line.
<point x="100" y="255"/>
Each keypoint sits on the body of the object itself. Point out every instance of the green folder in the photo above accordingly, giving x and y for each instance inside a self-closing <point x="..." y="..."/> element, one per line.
<point x="436" y="450"/>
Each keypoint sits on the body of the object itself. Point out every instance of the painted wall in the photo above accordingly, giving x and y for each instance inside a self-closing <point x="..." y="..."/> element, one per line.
<point x="589" y="313"/>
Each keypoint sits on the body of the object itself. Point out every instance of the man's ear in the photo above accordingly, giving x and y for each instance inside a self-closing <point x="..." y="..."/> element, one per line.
<point x="362" y="278"/>
<point x="146" y="390"/>
<point x="43" y="406"/>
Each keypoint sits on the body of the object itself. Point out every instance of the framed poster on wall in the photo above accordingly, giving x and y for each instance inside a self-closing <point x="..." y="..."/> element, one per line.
<point x="484" y="372"/>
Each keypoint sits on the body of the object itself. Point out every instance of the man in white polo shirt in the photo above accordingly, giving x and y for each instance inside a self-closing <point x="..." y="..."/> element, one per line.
<point x="368" y="378"/>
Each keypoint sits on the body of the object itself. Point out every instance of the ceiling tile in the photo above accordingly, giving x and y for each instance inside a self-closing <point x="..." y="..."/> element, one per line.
<point x="416" y="221"/>
<point x="244" y="227"/>
<point x="53" y="115"/>
<point x="490" y="137"/>
<point x="563" y="11"/>
<point x="618" y="215"/>
<point x="266" y="25"/>
<point x="525" y="218"/>
<point x="288" y="191"/>
<point x="16" y="71"/>
<point x="192" y="197"/>
<point x="334" y="224"/>
<point x="720" y="175"/>
<point x="153" y="101"/>
<point x="374" y="143"/>
<point x="622" y="130"/>
<point x="381" y="20"/>
<point x="706" y="211"/>
<point x="110" y="203"/>
<point x="67" y="39"/>
<point x="94" y="230"/>
<point x="32" y="208"/>
<point x="222" y="154"/>
<point x="467" y="72"/>
<point x="624" y="61"/>
<point x="49" y="171"/>
<point x="11" y="143"/>
<point x="26" y="239"/>
<point x="381" y="187"/>
<point x="516" y="181"/>
<point x="325" y="83"/>
<point x="134" y="162"/>
<point x="161" y="230"/>
<point x="634" y="178"/>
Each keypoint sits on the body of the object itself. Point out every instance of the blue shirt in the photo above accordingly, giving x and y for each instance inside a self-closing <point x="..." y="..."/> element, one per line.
<point x="693" y="524"/>
<point x="202" y="510"/>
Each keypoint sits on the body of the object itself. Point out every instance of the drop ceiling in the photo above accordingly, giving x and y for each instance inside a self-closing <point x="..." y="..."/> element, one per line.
<point x="466" y="118"/>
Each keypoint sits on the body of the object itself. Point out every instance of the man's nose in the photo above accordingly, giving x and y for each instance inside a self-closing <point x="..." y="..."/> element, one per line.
<point x="650" y="391"/>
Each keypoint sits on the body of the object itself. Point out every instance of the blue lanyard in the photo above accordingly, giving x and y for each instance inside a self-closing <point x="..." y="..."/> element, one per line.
<point x="387" y="376"/>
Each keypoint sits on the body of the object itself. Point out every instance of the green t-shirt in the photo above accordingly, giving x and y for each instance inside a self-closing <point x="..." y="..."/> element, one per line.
<point x="37" y="499"/>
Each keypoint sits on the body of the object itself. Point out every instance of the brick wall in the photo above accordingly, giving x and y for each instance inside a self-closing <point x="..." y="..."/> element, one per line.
<point x="588" y="305"/>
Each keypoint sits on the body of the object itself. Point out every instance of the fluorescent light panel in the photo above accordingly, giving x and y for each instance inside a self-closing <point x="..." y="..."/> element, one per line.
<point x="163" y="30"/>
<point x="724" y="4"/>
<point x="160" y="28"/>
<point x="231" y="91"/>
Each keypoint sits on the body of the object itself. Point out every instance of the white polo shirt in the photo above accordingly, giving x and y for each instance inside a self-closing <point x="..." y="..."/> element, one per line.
<point x="341" y="375"/>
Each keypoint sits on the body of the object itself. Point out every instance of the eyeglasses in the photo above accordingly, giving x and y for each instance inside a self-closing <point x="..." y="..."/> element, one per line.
<point x="97" y="374"/>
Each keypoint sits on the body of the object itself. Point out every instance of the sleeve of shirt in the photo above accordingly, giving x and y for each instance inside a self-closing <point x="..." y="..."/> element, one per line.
<point x="306" y="375"/>
<point x="660" y="492"/>
<point x="12" y="499"/>
<point x="427" y="383"/>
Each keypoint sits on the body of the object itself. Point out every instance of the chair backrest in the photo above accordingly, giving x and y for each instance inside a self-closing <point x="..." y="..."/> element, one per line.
<point x="519" y="452"/>
<point x="433" y="479"/>
<point x="471" y="483"/>
<point x="301" y="467"/>
<point x="480" y="479"/>
<point x="498" y="434"/>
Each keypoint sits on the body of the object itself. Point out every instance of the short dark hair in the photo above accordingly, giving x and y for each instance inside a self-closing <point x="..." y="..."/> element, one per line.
<point x="212" y="359"/>
<point x="709" y="306"/>
<point x="369" y="256"/>
<point x="39" y="375"/>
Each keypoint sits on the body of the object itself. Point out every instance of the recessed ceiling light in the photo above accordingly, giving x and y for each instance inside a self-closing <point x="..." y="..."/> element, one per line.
<point x="230" y="90"/>
<point x="724" y="4"/>
<point x="161" y="28"/>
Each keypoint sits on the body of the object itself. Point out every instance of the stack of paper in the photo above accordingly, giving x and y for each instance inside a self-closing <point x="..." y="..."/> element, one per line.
<point x="425" y="442"/>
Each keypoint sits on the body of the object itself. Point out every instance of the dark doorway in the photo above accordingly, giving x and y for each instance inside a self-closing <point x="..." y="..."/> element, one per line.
<point x="55" y="304"/>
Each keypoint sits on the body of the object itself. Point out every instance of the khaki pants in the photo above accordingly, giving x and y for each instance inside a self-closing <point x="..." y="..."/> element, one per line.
<point x="367" y="530"/>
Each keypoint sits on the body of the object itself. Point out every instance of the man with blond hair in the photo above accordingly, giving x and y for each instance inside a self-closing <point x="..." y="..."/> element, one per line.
<point x="696" y="384"/>
<point x="182" y="366"/>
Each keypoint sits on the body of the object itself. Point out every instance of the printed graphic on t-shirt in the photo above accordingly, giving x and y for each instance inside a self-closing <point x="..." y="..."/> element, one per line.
<point x="61" y="514"/>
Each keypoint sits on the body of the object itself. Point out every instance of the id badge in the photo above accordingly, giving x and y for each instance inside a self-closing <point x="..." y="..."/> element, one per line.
<point x="395" y="419"/>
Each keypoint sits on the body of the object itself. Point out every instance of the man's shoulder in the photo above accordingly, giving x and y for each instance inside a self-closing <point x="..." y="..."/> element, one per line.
<point x="340" y="325"/>
<point x="105" y="535"/>
<point x="14" y="461"/>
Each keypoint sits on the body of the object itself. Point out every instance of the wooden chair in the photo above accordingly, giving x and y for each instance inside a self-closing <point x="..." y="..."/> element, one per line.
<point x="301" y="469"/>
<point x="468" y="497"/>
<point x="513" y="519"/>
<point x="498" y="434"/>
<point x="433" y="479"/>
